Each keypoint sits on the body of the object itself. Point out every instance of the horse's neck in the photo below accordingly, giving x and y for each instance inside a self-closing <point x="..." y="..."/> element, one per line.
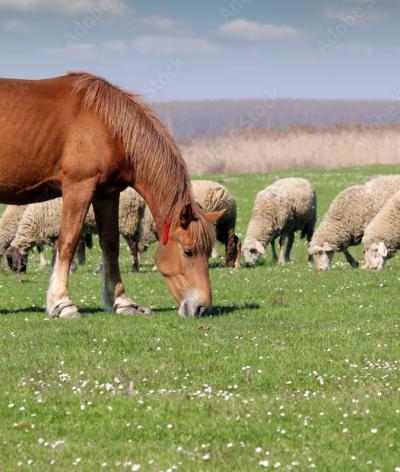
<point x="156" y="205"/>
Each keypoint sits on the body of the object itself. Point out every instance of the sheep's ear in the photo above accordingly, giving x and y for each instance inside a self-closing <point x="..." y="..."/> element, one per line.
<point x="327" y="247"/>
<point x="215" y="216"/>
<point x="382" y="249"/>
<point x="260" y="248"/>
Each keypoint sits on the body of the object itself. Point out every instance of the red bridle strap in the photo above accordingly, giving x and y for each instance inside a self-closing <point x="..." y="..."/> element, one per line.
<point x="166" y="230"/>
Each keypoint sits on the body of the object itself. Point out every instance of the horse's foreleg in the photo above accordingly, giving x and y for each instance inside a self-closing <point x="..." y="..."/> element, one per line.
<point x="76" y="202"/>
<point x="115" y="297"/>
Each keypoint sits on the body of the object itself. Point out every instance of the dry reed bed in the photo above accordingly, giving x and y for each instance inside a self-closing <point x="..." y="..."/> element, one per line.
<point x="267" y="151"/>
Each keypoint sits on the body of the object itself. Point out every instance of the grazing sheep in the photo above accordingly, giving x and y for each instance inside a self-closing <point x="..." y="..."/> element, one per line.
<point x="9" y="222"/>
<point x="347" y="217"/>
<point x="382" y="236"/>
<point x="287" y="206"/>
<point x="211" y="196"/>
<point x="41" y="222"/>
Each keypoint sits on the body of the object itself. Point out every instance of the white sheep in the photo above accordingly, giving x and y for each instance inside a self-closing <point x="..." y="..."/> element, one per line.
<point x="347" y="217"/>
<point x="9" y="222"/>
<point x="211" y="196"/>
<point x="281" y="209"/>
<point x="381" y="238"/>
<point x="41" y="222"/>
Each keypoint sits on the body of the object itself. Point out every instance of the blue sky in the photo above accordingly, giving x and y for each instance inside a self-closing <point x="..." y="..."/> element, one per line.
<point x="179" y="50"/>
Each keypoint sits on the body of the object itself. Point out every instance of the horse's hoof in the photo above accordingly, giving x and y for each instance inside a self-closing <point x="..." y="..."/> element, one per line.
<point x="133" y="310"/>
<point x="70" y="314"/>
<point x="66" y="311"/>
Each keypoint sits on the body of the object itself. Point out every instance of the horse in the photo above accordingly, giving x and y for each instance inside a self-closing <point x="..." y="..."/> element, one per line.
<point x="80" y="137"/>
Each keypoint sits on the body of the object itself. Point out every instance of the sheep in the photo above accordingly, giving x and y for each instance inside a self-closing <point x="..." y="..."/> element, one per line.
<point x="9" y="222"/>
<point x="286" y="206"/>
<point x="381" y="238"/>
<point x="347" y="217"/>
<point x="211" y="196"/>
<point x="41" y="222"/>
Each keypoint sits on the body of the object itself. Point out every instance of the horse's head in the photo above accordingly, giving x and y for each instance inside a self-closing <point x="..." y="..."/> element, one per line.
<point x="182" y="258"/>
<point x="17" y="259"/>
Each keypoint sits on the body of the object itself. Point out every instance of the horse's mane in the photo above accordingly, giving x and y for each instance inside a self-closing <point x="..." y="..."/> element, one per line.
<point x="157" y="159"/>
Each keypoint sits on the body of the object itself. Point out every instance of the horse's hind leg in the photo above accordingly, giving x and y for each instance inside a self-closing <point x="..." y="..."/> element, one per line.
<point x="115" y="297"/>
<point x="76" y="200"/>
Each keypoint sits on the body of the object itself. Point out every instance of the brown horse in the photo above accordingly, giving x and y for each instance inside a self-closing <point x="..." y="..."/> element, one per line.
<point x="80" y="137"/>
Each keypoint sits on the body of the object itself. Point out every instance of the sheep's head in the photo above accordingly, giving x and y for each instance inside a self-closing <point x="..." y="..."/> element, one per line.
<point x="322" y="256"/>
<point x="17" y="259"/>
<point x="375" y="256"/>
<point x="252" y="252"/>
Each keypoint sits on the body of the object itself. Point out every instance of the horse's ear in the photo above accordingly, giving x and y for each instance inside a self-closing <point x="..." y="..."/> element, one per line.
<point x="186" y="216"/>
<point x="215" y="216"/>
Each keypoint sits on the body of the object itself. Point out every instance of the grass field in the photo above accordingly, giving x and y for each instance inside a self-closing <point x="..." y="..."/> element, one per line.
<point x="296" y="371"/>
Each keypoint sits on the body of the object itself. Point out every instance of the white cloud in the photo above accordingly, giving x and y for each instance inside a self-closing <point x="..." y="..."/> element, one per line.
<point x="166" y="25"/>
<point x="86" y="50"/>
<point x="172" y="45"/>
<point x="15" y="26"/>
<point x="115" y="46"/>
<point x="65" y="7"/>
<point x="356" y="12"/>
<point x="245" y="30"/>
<point x="357" y="49"/>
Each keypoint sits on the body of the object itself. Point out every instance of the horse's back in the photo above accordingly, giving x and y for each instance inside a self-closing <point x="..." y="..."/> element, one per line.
<point x="35" y="118"/>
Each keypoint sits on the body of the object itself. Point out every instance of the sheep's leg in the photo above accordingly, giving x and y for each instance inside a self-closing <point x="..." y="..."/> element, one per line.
<point x="274" y="254"/>
<point x="133" y="248"/>
<point x="231" y="248"/>
<point x="281" y="259"/>
<point x="42" y="257"/>
<point x="81" y="252"/>
<point x="214" y="253"/>
<point x="309" y="238"/>
<point x="76" y="200"/>
<point x="238" y="245"/>
<point x="289" y="246"/>
<point x="350" y="259"/>
<point x="115" y="297"/>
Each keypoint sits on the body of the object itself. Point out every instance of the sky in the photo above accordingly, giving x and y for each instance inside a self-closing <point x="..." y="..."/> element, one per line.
<point x="210" y="49"/>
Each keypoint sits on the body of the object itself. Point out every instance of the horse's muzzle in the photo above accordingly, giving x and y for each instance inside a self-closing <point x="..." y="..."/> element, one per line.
<point x="192" y="305"/>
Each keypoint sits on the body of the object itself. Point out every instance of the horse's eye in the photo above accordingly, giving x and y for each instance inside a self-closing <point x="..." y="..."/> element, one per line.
<point x="188" y="253"/>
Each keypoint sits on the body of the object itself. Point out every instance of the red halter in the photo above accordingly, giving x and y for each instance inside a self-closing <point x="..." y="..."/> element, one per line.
<point x="167" y="227"/>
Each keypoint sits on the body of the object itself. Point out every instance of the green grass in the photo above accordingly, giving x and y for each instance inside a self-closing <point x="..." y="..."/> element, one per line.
<point x="299" y="369"/>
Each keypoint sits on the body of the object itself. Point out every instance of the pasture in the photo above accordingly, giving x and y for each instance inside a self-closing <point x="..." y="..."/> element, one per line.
<point x="296" y="370"/>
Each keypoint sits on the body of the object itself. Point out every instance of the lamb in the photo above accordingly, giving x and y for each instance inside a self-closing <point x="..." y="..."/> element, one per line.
<point x="41" y="222"/>
<point x="381" y="238"/>
<point x="348" y="215"/>
<point x="9" y="222"/>
<point x="287" y="206"/>
<point x="211" y="196"/>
